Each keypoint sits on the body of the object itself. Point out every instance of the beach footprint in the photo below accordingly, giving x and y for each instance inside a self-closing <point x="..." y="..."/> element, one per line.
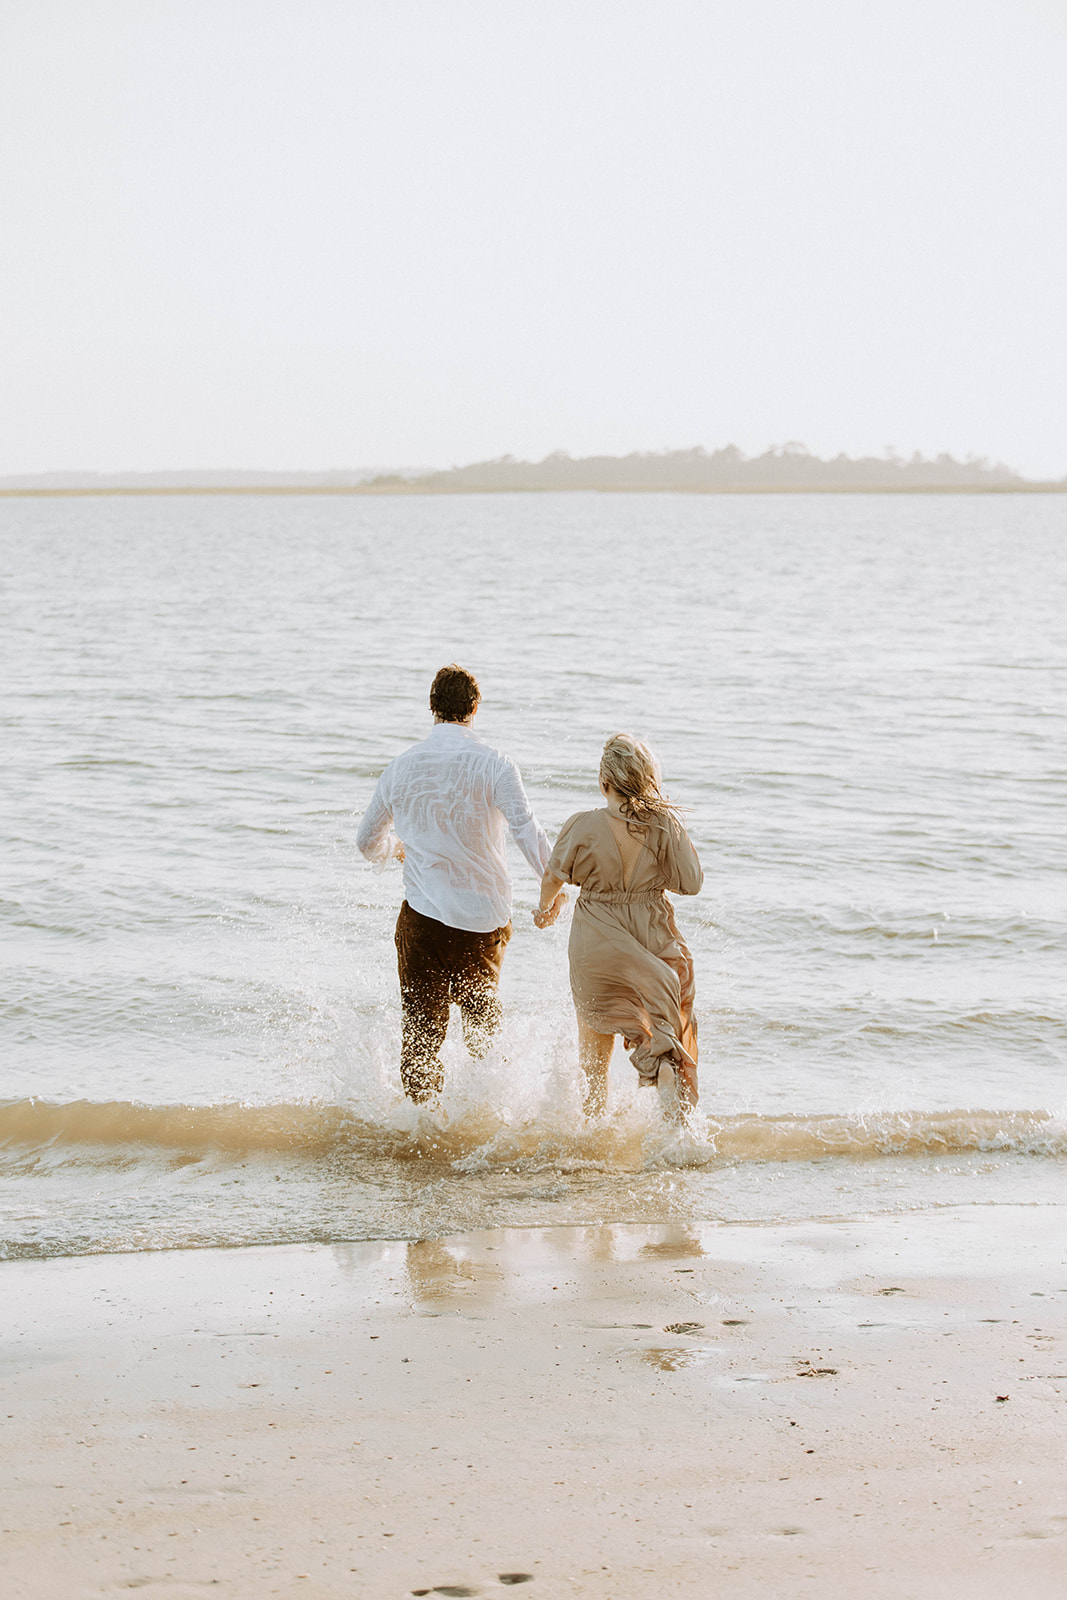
<point x="506" y="1578"/>
<point x="449" y="1588"/>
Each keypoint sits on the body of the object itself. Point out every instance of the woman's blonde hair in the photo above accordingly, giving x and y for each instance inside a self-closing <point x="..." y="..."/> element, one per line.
<point x="631" y="769"/>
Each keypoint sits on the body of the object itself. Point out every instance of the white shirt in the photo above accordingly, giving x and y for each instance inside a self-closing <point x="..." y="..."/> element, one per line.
<point x="448" y="800"/>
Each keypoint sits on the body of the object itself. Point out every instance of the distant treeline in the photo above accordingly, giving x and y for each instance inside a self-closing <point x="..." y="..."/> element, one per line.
<point x="790" y="467"/>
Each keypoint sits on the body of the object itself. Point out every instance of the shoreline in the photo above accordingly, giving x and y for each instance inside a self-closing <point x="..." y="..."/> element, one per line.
<point x="375" y="491"/>
<point x="607" y="1411"/>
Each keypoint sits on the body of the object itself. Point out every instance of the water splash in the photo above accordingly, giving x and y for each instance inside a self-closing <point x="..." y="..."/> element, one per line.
<point x="477" y="1137"/>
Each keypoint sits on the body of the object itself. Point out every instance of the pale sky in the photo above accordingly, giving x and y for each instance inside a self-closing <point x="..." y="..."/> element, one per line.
<point x="341" y="233"/>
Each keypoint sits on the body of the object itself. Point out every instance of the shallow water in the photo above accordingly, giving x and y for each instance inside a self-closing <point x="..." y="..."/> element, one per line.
<point x="859" y="699"/>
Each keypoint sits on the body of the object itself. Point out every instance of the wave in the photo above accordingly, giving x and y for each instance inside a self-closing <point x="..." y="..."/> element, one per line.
<point x="319" y="1131"/>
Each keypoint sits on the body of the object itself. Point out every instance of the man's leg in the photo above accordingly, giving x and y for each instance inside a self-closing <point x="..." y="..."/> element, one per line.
<point x="476" y="965"/>
<point x="424" y="1001"/>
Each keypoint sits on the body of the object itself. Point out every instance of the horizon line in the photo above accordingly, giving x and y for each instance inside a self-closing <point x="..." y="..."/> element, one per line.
<point x="373" y="490"/>
<point x="789" y="468"/>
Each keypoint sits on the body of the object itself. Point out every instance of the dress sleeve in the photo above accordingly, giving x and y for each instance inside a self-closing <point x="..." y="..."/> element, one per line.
<point x="561" y="861"/>
<point x="680" y="862"/>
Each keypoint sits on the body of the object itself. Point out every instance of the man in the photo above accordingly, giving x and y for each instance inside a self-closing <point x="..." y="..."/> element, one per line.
<point x="449" y="799"/>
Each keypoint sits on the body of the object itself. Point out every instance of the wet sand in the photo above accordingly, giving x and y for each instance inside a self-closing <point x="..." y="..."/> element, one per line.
<point x="871" y="1408"/>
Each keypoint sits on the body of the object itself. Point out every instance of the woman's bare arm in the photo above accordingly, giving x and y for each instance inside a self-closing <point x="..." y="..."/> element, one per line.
<point x="552" y="901"/>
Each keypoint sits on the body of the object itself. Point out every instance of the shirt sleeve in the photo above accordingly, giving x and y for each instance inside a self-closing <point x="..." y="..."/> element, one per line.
<point x="510" y="799"/>
<point x="376" y="839"/>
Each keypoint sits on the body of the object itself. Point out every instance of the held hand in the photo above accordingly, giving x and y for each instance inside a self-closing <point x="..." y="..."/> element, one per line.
<point x="398" y="853"/>
<point x="545" y="919"/>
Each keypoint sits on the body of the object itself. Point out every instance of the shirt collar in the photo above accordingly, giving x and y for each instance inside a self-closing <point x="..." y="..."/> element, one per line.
<point x="449" y="729"/>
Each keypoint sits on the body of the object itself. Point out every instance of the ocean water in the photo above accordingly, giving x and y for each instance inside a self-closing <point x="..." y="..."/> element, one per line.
<point x="860" y="700"/>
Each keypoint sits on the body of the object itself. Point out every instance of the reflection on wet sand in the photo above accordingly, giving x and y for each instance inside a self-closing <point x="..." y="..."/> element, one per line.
<point x="439" y="1273"/>
<point x="679" y="1246"/>
<point x="484" y="1266"/>
<point x="481" y="1269"/>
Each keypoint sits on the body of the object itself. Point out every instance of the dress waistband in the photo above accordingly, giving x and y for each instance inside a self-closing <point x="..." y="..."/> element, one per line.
<point x="620" y="897"/>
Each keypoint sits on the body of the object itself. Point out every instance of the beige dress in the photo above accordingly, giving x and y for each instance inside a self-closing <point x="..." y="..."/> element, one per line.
<point x="631" y="971"/>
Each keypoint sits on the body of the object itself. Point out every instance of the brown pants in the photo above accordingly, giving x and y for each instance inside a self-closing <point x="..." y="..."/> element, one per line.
<point x="439" y="965"/>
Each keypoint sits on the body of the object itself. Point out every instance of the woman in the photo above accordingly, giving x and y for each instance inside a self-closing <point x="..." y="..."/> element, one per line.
<point x="631" y="972"/>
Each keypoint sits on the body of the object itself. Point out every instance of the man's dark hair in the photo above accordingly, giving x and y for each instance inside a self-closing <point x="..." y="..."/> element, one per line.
<point x="454" y="694"/>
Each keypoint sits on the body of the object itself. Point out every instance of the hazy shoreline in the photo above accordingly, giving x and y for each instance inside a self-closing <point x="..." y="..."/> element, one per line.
<point x="785" y="469"/>
<point x="376" y="490"/>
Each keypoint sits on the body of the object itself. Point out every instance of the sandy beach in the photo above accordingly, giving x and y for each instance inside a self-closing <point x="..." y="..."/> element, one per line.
<point x="863" y="1407"/>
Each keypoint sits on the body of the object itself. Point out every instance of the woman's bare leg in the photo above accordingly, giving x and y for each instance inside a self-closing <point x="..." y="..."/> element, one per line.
<point x="594" y="1058"/>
